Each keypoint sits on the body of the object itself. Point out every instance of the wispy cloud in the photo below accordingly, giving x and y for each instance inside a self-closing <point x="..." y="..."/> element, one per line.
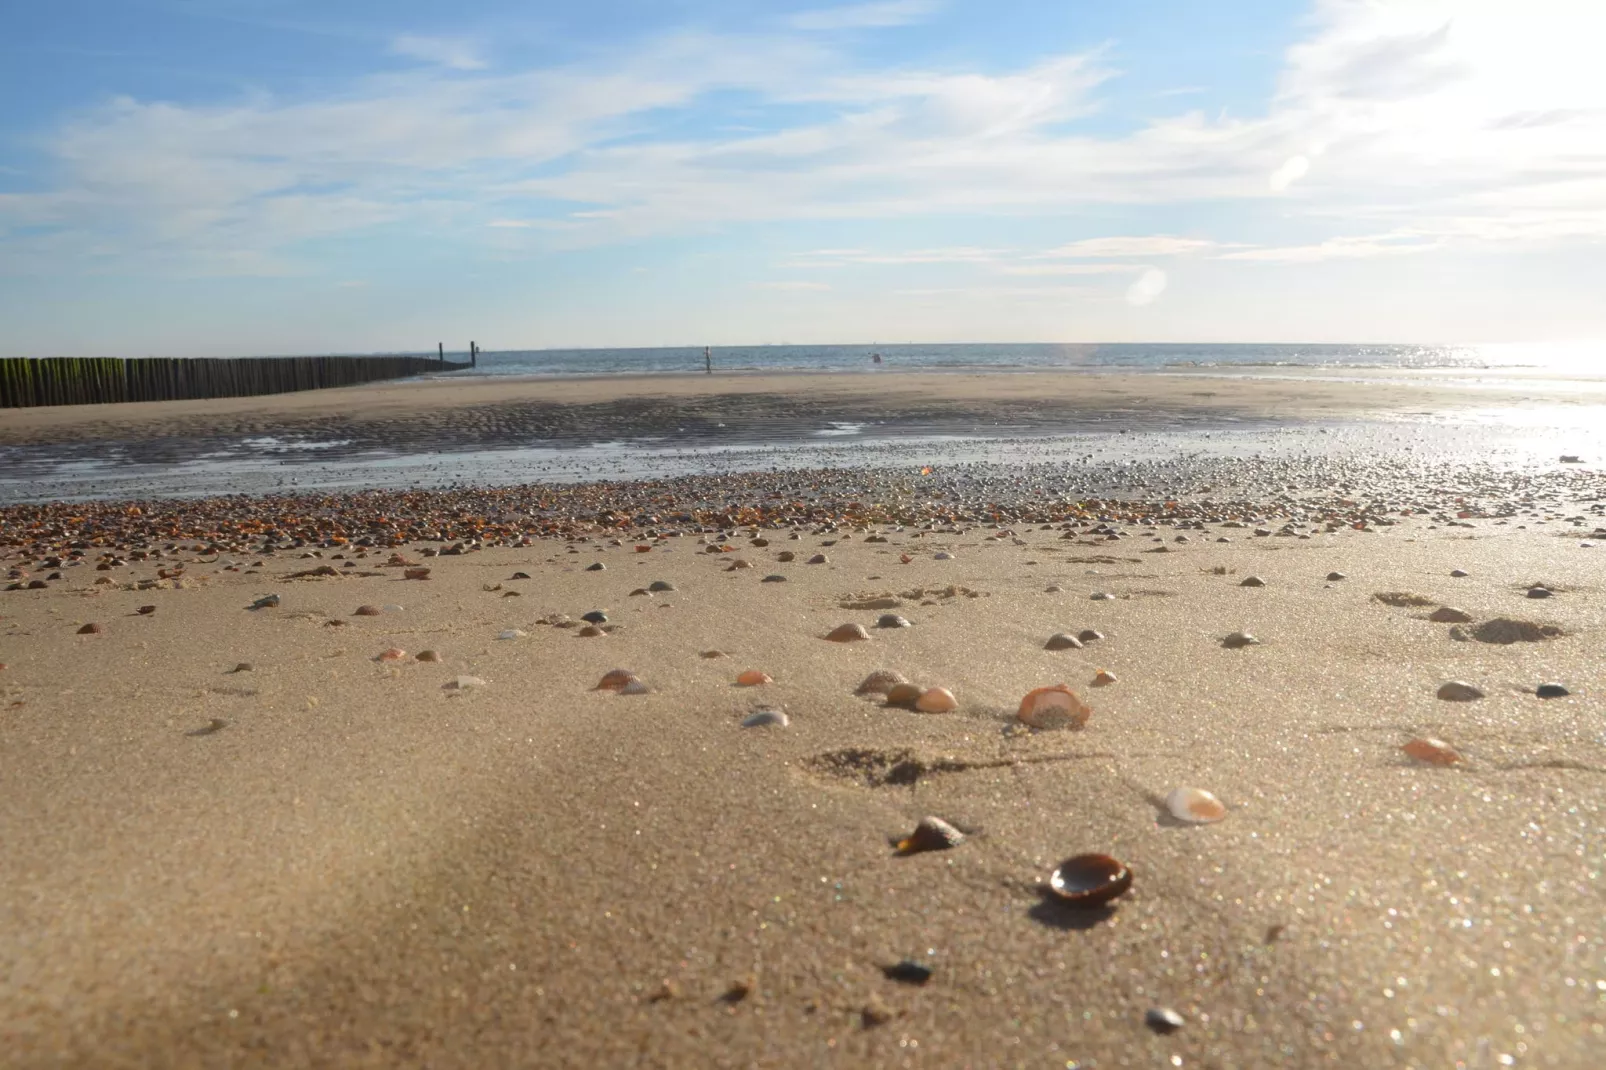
<point x="453" y="52"/>
<point x="1144" y="245"/>
<point x="794" y="285"/>
<point x="863" y="16"/>
<point x="1341" y="249"/>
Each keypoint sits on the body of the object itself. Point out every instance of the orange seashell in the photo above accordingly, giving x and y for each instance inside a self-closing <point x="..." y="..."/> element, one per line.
<point x="1431" y="751"/>
<point x="1195" y="805"/>
<point x="393" y="654"/>
<point x="753" y="678"/>
<point x="1053" y="707"/>
<point x="1103" y="678"/>
<point x="848" y="633"/>
<point x="614" y="679"/>
<point x="936" y="700"/>
<point x="643" y="549"/>
<point x="905" y="558"/>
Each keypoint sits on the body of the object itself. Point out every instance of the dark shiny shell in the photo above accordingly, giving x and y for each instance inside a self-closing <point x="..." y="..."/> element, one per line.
<point x="1090" y="880"/>
<point x="596" y="616"/>
<point x="596" y="567"/>
<point x="891" y="620"/>
<point x="1551" y="691"/>
<point x="908" y="971"/>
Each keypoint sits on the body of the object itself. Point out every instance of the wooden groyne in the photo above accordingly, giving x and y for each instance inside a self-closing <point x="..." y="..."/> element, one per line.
<point x="30" y="381"/>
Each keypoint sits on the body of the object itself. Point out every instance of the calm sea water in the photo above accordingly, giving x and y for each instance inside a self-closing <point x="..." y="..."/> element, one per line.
<point x="1586" y="359"/>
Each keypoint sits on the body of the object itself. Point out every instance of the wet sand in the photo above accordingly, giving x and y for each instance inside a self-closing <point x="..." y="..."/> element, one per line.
<point x="361" y="868"/>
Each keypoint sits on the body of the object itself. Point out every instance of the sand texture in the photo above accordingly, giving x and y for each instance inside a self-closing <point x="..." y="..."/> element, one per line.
<point x="359" y="867"/>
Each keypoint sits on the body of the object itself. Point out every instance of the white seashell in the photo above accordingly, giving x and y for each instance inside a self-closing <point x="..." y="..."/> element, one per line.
<point x="511" y="633"/>
<point x="765" y="718"/>
<point x="1195" y="805"/>
<point x="464" y="683"/>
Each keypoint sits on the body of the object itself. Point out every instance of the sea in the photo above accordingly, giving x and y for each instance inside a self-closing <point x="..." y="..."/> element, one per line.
<point x="1563" y="358"/>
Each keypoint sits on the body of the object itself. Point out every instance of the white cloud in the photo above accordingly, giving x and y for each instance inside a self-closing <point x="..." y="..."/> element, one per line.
<point x="790" y="285"/>
<point x="1288" y="172"/>
<point x="863" y="16"/>
<point x="1146" y="245"/>
<point x="452" y="52"/>
<point x="1149" y="285"/>
<point x="1341" y="249"/>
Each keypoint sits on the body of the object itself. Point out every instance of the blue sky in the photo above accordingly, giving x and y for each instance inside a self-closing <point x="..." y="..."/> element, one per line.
<point x="193" y="177"/>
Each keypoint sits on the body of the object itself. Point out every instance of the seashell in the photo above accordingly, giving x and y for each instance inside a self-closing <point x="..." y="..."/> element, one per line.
<point x="1053" y="589"/>
<point x="1062" y="641"/>
<point x="773" y="578"/>
<point x="634" y="687"/>
<point x="785" y="557"/>
<point x="426" y="655"/>
<point x="1252" y="581"/>
<point x="1053" y="707"/>
<point x="661" y="585"/>
<point x="415" y="574"/>
<point x="1456" y="691"/>
<point x="1103" y="596"/>
<point x="891" y="620"/>
<point x="1539" y="592"/>
<point x="1336" y="576"/>
<point x="1460" y="573"/>
<point x="1103" y="678"/>
<point x="244" y="666"/>
<point x="739" y="563"/>
<point x="614" y="679"/>
<point x="265" y="602"/>
<point x="145" y="611"/>
<point x="760" y="542"/>
<point x="1163" y="1020"/>
<point x="596" y="566"/>
<point x="90" y="629"/>
<point x="1090" y="880"/>
<point x="1450" y="615"/>
<point x="596" y="616"/>
<point x="754" y="678"/>
<point x="519" y="576"/>
<point x="713" y="654"/>
<point x="462" y="683"/>
<point x="641" y="592"/>
<point x="766" y="718"/>
<point x="643" y="548"/>
<point x="391" y="608"/>
<point x="1431" y="751"/>
<point x="1551" y="691"/>
<point x="1195" y="805"/>
<point x="511" y="633"/>
<point x="936" y="700"/>
<point x="590" y="631"/>
<point x="904" y="695"/>
<point x="847" y="633"/>
<point x="880" y="682"/>
<point x="1239" y="639"/>
<point x="1089" y="635"/>
<point x="366" y="611"/>
<point x="817" y="559"/>
<point x="942" y="555"/>
<point x="393" y="654"/>
<point x="931" y="834"/>
<point x="905" y="558"/>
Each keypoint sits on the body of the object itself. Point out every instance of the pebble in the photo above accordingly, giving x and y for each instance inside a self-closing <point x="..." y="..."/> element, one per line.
<point x="1062" y="641"/>
<point x="596" y="566"/>
<point x="1103" y="596"/>
<point x="880" y="682"/>
<point x="1456" y="691"/>
<point x="930" y="834"/>
<point x="891" y="620"/>
<point x="1163" y="1020"/>
<point x="766" y="718"/>
<point x="1450" y="615"/>
<point x="942" y="555"/>
<point x="265" y="602"/>
<point x="415" y="574"/>
<point x="786" y="557"/>
<point x="847" y="633"/>
<point x="817" y="559"/>
<point x="1239" y="639"/>
<point x="427" y="655"/>
<point x="1089" y="635"/>
<point x="590" y="631"/>
<point x="393" y="654"/>
<point x="1052" y="590"/>
<point x="511" y="633"/>
<point x="90" y="629"/>
<point x="145" y="611"/>
<point x="1551" y="691"/>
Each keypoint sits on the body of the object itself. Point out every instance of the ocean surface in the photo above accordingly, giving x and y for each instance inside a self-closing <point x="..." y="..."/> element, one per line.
<point x="1585" y="359"/>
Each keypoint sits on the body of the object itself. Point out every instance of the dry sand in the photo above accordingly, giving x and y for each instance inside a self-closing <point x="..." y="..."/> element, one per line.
<point x="361" y="868"/>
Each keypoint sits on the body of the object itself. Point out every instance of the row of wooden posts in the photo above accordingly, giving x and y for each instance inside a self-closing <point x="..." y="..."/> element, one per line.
<point x="31" y="381"/>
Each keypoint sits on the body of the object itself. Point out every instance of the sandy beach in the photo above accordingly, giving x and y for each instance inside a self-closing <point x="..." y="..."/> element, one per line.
<point x="327" y="859"/>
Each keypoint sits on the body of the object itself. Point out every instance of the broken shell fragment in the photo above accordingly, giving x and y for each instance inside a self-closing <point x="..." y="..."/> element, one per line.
<point x="393" y="654"/>
<point x="754" y="678"/>
<point x="1239" y="639"/>
<point x="1062" y="641"/>
<point x="936" y="700"/>
<point x="931" y="834"/>
<point x="765" y="718"/>
<point x="1195" y="806"/>
<point x="1053" y="707"/>
<point x="1450" y="615"/>
<point x="905" y="695"/>
<point x="1090" y="880"/>
<point x="1103" y="678"/>
<point x="462" y="683"/>
<point x="880" y="682"/>
<point x="614" y="679"/>
<point x="1456" y="691"/>
<point x="510" y="633"/>
<point x="1431" y="751"/>
<point x="848" y="633"/>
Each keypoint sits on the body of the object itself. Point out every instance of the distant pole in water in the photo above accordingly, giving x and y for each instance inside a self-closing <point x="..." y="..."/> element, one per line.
<point x="708" y="359"/>
<point x="440" y="350"/>
<point x="473" y="355"/>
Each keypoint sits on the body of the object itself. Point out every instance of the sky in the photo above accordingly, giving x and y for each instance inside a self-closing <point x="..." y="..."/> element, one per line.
<point x="231" y="177"/>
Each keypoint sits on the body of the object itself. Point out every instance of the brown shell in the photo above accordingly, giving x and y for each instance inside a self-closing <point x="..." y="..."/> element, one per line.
<point x="1103" y="678"/>
<point x="936" y="700"/>
<point x="1090" y="880"/>
<point x="880" y="682"/>
<point x="393" y="654"/>
<point x="848" y="633"/>
<point x="753" y="678"/>
<point x="427" y="655"/>
<point x="614" y="679"/>
<point x="1431" y="751"/>
<point x="931" y="834"/>
<point x="366" y="611"/>
<point x="905" y="695"/>
<point x="1053" y="707"/>
<point x="1062" y="641"/>
<point x="90" y="629"/>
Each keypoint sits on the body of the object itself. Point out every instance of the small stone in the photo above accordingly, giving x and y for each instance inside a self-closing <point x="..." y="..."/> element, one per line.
<point x="661" y="585"/>
<point x="590" y="631"/>
<point x="1103" y="596"/>
<point x="1551" y="691"/>
<point x="1163" y="1020"/>
<point x="1252" y="581"/>
<point x="817" y="559"/>
<point x="1053" y="589"/>
<point x="511" y="633"/>
<point x="891" y="620"/>
<point x="1239" y="639"/>
<point x="942" y="555"/>
<point x="1450" y="615"/>
<point x="265" y="602"/>
<point x="786" y="557"/>
<point x="1456" y="691"/>
<point x="1062" y="641"/>
<point x="426" y="655"/>
<point x="145" y="611"/>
